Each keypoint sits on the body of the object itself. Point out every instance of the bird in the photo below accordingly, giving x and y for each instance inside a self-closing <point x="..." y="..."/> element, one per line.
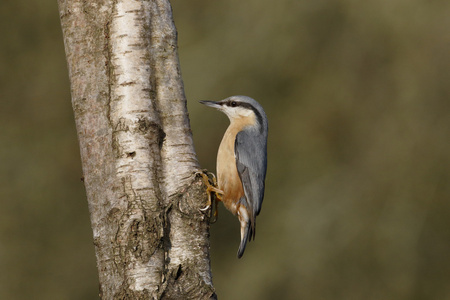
<point x="241" y="162"/>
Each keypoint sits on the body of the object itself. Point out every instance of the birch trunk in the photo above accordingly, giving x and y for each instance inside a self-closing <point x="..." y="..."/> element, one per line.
<point x="139" y="164"/>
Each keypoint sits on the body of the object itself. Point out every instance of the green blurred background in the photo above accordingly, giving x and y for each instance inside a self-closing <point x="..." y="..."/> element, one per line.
<point x="358" y="188"/>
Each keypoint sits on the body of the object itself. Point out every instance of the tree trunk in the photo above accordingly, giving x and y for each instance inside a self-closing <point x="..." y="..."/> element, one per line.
<point x="139" y="164"/>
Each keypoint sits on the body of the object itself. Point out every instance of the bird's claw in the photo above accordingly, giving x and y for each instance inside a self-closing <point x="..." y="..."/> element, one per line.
<point x="206" y="207"/>
<point x="211" y="187"/>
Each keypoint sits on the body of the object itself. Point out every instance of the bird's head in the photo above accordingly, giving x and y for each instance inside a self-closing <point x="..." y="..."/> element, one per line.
<point x="240" y="108"/>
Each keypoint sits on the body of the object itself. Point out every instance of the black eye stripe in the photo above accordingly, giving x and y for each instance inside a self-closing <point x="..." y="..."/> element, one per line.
<point x="246" y="105"/>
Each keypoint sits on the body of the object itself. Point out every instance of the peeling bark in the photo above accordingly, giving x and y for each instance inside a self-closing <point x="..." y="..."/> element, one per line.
<point x="151" y="238"/>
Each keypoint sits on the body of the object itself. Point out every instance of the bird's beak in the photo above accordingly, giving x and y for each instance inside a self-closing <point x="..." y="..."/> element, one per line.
<point x="212" y="104"/>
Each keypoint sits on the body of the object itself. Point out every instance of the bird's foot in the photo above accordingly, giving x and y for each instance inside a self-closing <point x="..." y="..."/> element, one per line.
<point x="211" y="187"/>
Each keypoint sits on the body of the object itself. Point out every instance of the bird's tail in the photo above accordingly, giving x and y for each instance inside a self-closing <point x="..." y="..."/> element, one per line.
<point x="247" y="230"/>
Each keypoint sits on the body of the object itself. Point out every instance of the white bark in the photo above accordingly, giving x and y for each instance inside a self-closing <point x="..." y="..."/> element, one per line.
<point x="137" y="152"/>
<point x="136" y="136"/>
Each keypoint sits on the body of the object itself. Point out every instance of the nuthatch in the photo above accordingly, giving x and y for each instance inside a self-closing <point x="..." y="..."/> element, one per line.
<point x="242" y="162"/>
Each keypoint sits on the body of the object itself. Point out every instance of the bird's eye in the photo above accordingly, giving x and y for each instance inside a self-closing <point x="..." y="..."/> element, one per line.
<point x="233" y="104"/>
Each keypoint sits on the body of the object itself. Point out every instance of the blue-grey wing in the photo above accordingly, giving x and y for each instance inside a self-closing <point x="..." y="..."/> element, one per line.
<point x="251" y="161"/>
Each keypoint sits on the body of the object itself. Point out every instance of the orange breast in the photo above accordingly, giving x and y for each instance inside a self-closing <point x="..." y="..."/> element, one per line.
<point x="227" y="175"/>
